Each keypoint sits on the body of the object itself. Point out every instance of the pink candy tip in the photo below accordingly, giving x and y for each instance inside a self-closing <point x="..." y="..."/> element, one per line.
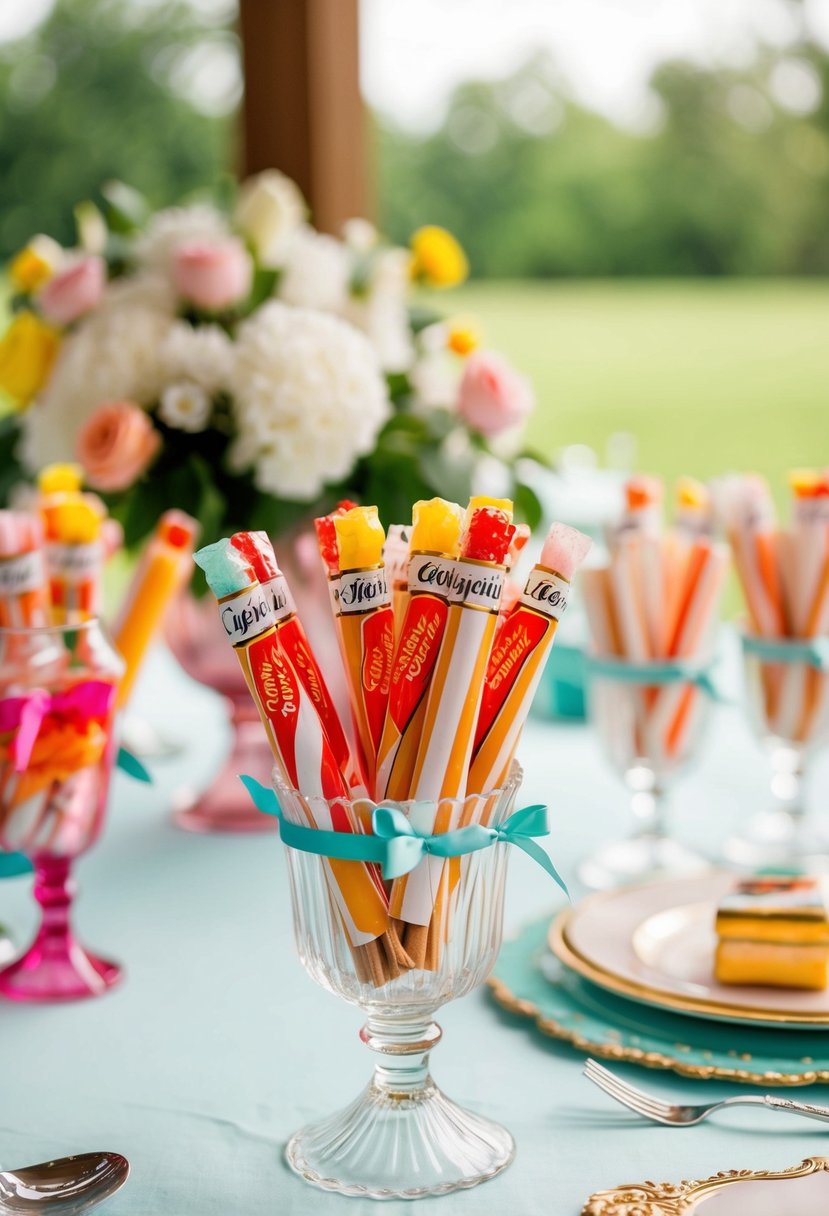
<point x="565" y="549"/>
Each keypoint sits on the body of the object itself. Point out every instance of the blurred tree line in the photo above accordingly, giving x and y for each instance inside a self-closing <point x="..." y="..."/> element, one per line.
<point x="730" y="175"/>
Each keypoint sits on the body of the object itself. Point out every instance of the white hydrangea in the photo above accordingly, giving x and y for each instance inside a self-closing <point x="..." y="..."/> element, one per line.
<point x="309" y="398"/>
<point x="113" y="355"/>
<point x="316" y="272"/>
<point x="202" y="356"/>
<point x="174" y="226"/>
<point x="185" y="406"/>
<point x="382" y="313"/>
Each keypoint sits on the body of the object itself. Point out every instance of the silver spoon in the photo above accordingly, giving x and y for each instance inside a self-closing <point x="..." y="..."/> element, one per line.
<point x="63" y="1187"/>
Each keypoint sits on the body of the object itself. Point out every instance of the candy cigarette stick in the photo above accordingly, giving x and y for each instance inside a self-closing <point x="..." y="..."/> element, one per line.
<point x="705" y="578"/>
<point x="601" y="616"/>
<point x="817" y="624"/>
<point x="435" y="543"/>
<point x="74" y="558"/>
<point x="520" y="654"/>
<point x="807" y="548"/>
<point x="23" y="593"/>
<point x="294" y="731"/>
<point x="365" y="626"/>
<point x="455" y="691"/>
<point x="164" y="567"/>
<point x="257" y="549"/>
<point x="396" y="562"/>
<point x="643" y="509"/>
<point x="694" y="515"/>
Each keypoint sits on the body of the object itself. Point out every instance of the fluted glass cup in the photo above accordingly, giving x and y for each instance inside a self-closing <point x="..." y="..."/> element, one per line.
<point x="788" y="707"/>
<point x="52" y="806"/>
<point x="648" y="733"/>
<point x="402" y="1137"/>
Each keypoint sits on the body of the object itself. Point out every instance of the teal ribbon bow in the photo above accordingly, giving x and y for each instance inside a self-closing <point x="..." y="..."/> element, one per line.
<point x="814" y="651"/>
<point x="669" y="671"/>
<point x="397" y="848"/>
<point x="132" y="766"/>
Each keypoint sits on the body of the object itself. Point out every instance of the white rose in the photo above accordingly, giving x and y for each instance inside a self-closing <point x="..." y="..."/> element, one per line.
<point x="268" y="212"/>
<point x="316" y="272"/>
<point x="185" y="407"/>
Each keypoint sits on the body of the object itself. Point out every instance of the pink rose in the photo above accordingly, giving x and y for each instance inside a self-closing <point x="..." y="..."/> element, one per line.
<point x="492" y="394"/>
<point x="213" y="276"/>
<point x="116" y="445"/>
<point x="74" y="291"/>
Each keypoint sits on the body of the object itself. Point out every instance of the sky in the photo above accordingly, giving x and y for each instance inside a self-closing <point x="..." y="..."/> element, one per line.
<point x="414" y="52"/>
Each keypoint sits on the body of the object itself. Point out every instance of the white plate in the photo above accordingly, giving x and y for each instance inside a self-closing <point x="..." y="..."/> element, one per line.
<point x="655" y="944"/>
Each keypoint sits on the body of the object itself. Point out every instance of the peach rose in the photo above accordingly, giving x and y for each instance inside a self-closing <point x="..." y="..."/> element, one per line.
<point x="74" y="291"/>
<point x="116" y="445"/>
<point x="212" y="275"/>
<point x="492" y="394"/>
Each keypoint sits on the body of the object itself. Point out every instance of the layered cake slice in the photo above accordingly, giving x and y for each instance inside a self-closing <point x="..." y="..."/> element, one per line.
<point x="774" y="931"/>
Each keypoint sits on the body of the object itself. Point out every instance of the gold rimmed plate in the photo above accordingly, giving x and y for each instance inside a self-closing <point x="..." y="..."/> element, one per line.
<point x="655" y="944"/>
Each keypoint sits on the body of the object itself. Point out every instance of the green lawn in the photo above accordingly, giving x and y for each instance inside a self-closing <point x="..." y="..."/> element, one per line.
<point x="709" y="375"/>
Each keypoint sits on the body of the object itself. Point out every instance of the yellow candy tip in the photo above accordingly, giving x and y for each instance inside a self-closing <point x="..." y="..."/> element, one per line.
<point x="60" y="478"/>
<point x="436" y="526"/>
<point x="76" y="521"/>
<point x="360" y="538"/>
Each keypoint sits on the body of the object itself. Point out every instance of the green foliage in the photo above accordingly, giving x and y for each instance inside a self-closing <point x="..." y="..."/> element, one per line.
<point x="88" y="97"/>
<point x="728" y="181"/>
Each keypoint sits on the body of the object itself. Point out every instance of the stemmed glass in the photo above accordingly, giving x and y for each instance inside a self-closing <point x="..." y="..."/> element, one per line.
<point x="57" y="711"/>
<point x="402" y="1137"/>
<point x="648" y="732"/>
<point x="788" y="703"/>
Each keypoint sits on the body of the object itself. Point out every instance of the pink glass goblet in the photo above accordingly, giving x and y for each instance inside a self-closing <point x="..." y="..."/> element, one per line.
<point x="195" y="636"/>
<point x="57" y="745"/>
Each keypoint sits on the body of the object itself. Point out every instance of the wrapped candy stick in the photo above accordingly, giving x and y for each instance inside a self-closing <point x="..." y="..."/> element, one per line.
<point x="296" y="736"/>
<point x="257" y="550"/>
<point x="365" y="626"/>
<point x="396" y="561"/>
<point x="435" y="543"/>
<point x="642" y="515"/>
<point x="520" y="654"/>
<point x="74" y="558"/>
<point x="24" y="601"/>
<point x="694" y="514"/>
<point x="165" y="565"/>
<point x="454" y="698"/>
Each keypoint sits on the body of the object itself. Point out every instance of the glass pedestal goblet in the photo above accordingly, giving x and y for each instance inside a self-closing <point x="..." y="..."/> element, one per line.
<point x="57" y="703"/>
<point x="402" y="1137"/>
<point x="788" y="705"/>
<point x="648" y="732"/>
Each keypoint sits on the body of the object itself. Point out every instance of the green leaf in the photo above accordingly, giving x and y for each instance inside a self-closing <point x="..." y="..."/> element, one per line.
<point x="421" y="317"/>
<point x="126" y="209"/>
<point x="528" y="507"/>
<point x="264" y="284"/>
<point x="447" y="473"/>
<point x="11" y="471"/>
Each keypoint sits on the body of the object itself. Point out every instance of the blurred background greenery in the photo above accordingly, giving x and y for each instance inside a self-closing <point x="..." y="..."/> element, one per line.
<point x="719" y="202"/>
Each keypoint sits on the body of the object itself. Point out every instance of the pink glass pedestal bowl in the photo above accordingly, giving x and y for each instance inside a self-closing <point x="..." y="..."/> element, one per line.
<point x="195" y="636"/>
<point x="52" y="809"/>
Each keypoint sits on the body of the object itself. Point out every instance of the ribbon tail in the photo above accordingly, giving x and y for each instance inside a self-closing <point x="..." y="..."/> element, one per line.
<point x="132" y="766"/>
<point x="539" y="855"/>
<point x="264" y="799"/>
<point x="12" y="864"/>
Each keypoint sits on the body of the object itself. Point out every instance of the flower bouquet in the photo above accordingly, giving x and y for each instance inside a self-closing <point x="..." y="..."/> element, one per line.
<point x="236" y="363"/>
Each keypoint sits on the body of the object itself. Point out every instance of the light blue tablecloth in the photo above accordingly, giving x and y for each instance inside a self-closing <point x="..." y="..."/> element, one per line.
<point x="218" y="1046"/>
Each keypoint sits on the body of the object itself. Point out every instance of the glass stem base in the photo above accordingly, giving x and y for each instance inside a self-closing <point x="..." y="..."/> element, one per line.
<point x="402" y="1138"/>
<point x="56" y="967"/>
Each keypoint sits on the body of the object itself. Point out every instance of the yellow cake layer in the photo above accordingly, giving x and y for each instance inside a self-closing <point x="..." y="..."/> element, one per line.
<point x="772" y="965"/>
<point x="765" y="927"/>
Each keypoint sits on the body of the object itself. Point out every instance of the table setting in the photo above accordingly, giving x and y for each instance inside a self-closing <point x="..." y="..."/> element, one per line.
<point x="621" y="921"/>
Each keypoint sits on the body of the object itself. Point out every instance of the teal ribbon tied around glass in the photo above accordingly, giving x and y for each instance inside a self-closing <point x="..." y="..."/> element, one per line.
<point x="667" y="671"/>
<point x="397" y="848"/>
<point x="813" y="651"/>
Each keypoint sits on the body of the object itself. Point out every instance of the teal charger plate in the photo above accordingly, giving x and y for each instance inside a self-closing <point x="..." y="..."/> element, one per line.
<point x="530" y="981"/>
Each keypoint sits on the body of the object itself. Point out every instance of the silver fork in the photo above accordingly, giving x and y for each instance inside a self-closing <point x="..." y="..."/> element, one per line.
<point x="676" y="1115"/>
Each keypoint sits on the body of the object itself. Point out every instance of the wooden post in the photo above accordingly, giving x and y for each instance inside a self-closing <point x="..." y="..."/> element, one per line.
<point x="303" y="112"/>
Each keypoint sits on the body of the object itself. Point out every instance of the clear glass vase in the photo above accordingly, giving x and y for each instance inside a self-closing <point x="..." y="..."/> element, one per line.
<point x="788" y="706"/>
<point x="52" y="804"/>
<point x="648" y="733"/>
<point x="402" y="1137"/>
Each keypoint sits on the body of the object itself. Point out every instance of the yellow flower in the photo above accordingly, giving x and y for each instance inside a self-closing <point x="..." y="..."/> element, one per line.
<point x="462" y="338"/>
<point x="35" y="264"/>
<point x="27" y="352"/>
<point x="438" y="259"/>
